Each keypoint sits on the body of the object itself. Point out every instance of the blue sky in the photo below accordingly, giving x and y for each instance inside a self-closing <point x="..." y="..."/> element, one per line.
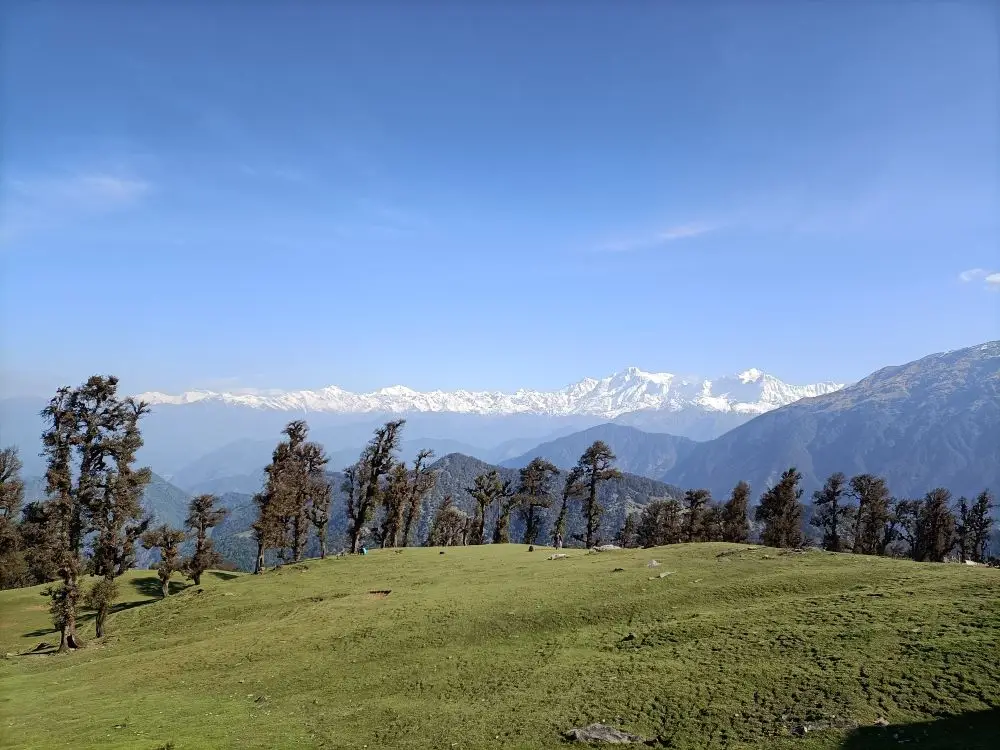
<point x="518" y="195"/>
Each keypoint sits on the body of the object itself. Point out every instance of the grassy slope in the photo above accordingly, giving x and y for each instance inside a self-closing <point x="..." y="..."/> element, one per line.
<point x="498" y="647"/>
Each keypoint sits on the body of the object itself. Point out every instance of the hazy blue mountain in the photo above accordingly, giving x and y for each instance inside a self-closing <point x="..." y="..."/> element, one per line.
<point x="239" y="466"/>
<point x="643" y="453"/>
<point x="456" y="472"/>
<point x="696" y="424"/>
<point x="929" y="423"/>
<point x="166" y="502"/>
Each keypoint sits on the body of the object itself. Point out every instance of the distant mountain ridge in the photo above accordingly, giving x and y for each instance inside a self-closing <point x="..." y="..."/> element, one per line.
<point x="924" y="424"/>
<point x="455" y="472"/>
<point x="750" y="392"/>
<point x="642" y="453"/>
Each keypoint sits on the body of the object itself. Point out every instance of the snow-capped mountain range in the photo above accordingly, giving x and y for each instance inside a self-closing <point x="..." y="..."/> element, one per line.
<point x="749" y="393"/>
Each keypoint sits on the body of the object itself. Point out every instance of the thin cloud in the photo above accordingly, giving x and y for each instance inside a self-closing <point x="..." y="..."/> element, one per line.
<point x="36" y="203"/>
<point x="94" y="192"/>
<point x="991" y="279"/>
<point x="973" y="274"/>
<point x="673" y="234"/>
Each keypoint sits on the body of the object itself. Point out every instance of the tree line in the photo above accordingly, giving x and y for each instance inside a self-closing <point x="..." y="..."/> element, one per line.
<point x="92" y="518"/>
<point x="856" y="515"/>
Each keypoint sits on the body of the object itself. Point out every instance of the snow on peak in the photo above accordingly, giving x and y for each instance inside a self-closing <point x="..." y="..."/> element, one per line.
<point x="750" y="392"/>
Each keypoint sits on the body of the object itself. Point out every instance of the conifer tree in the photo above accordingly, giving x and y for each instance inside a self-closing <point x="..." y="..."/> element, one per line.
<point x="962" y="524"/>
<point x="13" y="567"/>
<point x="781" y="512"/>
<point x="487" y="488"/>
<point x="596" y="467"/>
<point x="572" y="488"/>
<point x="980" y="526"/>
<point x="289" y="475"/>
<point x="395" y="501"/>
<point x="319" y="493"/>
<point x="366" y="480"/>
<point x="40" y="549"/>
<point x="90" y="444"/>
<point x="831" y="516"/>
<point x="534" y="495"/>
<point x="712" y="528"/>
<point x="268" y="529"/>
<point x="450" y="526"/>
<point x="100" y="597"/>
<point x="735" y="520"/>
<point x="422" y="481"/>
<point x="660" y="522"/>
<point x="203" y="515"/>
<point x="168" y="542"/>
<point x="873" y="513"/>
<point x="935" y="528"/>
<point x="627" y="536"/>
<point x="696" y="504"/>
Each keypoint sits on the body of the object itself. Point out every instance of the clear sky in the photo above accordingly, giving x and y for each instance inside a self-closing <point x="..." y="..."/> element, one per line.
<point x="510" y="195"/>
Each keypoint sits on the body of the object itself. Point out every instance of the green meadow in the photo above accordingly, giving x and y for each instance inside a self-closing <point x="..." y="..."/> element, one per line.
<point x="719" y="646"/>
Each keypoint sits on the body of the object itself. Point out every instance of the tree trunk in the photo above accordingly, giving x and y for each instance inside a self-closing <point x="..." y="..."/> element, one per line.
<point x="355" y="541"/>
<point x="196" y="577"/>
<point x="164" y="587"/>
<point x="322" y="542"/>
<point x="68" y="638"/>
<point x="408" y="526"/>
<point x="99" y="622"/>
<point x="591" y="503"/>
<point x="259" y="565"/>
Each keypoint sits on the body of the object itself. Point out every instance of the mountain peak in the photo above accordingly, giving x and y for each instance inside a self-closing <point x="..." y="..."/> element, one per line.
<point x="631" y="390"/>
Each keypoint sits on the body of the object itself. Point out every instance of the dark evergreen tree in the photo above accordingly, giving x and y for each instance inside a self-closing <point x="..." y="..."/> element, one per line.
<point x="781" y="512"/>
<point x="395" y="501"/>
<point x="168" y="542"/>
<point x="831" y="516"/>
<point x="980" y="526"/>
<point x="422" y="481"/>
<point x="627" y="536"/>
<point x="735" y="519"/>
<point x="873" y="513"/>
<point x="596" y="467"/>
<point x="450" y="527"/>
<point x="203" y="515"/>
<point x="906" y="514"/>
<point x="962" y="524"/>
<point x="696" y="505"/>
<point x="374" y="465"/>
<point x="13" y="566"/>
<point x="90" y="442"/>
<point x="935" y="527"/>
<point x="317" y="494"/>
<point x="712" y="526"/>
<point x="100" y="597"/>
<point x="489" y="489"/>
<point x="269" y="530"/>
<point x="572" y="488"/>
<point x="534" y="496"/>
<point x="41" y="551"/>
<point x="320" y="494"/>
<point x="660" y="522"/>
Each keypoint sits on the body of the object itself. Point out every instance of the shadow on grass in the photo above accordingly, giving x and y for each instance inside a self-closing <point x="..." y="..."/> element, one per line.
<point x="222" y="575"/>
<point x="977" y="730"/>
<point x="89" y="616"/>
<point x="150" y="586"/>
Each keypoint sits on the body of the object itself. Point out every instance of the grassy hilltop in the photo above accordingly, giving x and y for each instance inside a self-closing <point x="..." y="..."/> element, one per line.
<point x="493" y="646"/>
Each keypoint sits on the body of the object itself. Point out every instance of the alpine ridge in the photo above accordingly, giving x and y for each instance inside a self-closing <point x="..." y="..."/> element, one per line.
<point x="748" y="393"/>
